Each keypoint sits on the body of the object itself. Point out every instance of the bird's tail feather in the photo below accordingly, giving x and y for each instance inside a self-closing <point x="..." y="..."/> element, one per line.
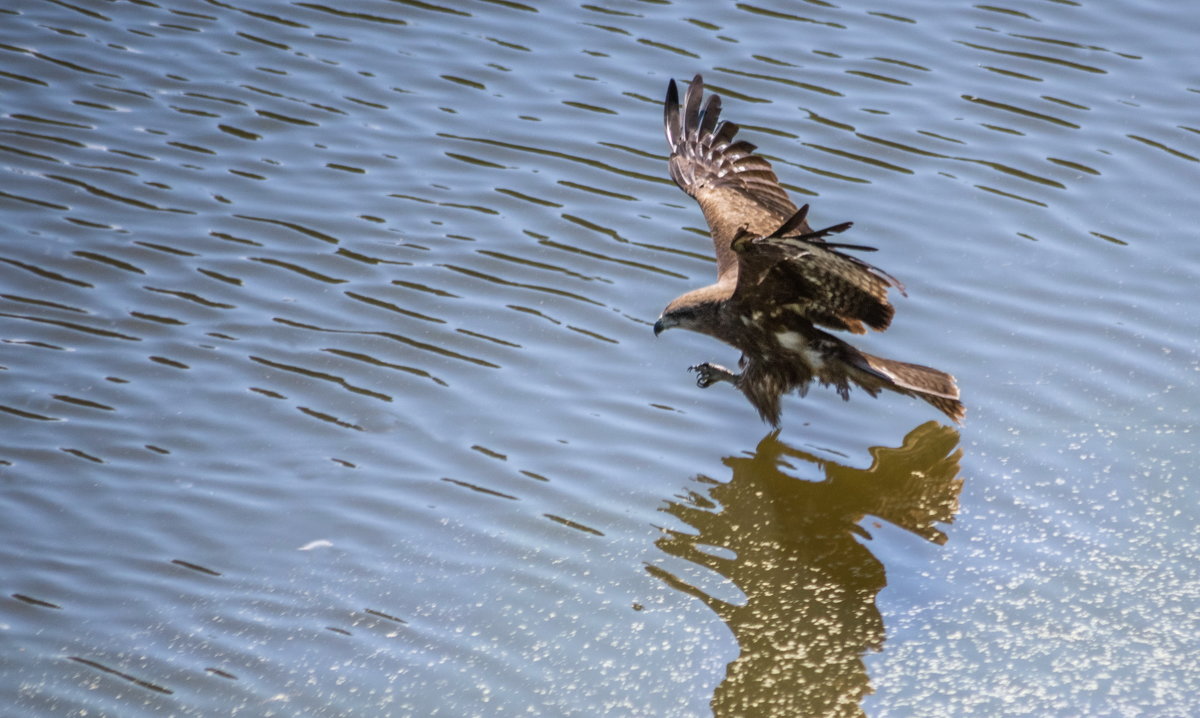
<point x="934" y="386"/>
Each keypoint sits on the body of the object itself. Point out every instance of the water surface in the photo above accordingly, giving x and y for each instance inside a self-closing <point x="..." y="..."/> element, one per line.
<point x="330" y="386"/>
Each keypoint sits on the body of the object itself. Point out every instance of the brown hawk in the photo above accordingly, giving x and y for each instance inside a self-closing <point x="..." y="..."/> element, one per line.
<point x="779" y="283"/>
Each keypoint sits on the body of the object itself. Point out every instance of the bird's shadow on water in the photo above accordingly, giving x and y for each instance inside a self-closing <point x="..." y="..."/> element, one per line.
<point x="790" y="546"/>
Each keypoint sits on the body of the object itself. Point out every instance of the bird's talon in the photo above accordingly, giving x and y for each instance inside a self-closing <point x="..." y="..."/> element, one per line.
<point x="706" y="374"/>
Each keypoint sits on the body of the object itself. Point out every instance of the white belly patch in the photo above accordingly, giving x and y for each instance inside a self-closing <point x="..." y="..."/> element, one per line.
<point x="797" y="343"/>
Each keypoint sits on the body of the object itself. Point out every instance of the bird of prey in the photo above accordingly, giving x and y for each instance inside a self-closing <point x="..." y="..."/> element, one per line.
<point x="780" y="284"/>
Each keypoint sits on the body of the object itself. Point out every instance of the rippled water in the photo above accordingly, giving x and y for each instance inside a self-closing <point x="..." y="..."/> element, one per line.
<point x="330" y="389"/>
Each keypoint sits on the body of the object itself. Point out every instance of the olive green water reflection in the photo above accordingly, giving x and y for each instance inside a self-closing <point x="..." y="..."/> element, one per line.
<point x="810" y="584"/>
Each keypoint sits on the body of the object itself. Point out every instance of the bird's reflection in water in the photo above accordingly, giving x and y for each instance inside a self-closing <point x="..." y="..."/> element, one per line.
<point x="810" y="585"/>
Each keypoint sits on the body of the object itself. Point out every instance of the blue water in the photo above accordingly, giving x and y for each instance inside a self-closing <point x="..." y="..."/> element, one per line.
<point x="330" y="386"/>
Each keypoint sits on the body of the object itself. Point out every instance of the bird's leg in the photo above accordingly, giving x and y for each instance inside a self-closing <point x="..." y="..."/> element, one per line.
<point x="708" y="374"/>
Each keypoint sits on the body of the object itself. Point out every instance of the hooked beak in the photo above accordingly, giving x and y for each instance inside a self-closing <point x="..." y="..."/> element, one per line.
<point x="662" y="325"/>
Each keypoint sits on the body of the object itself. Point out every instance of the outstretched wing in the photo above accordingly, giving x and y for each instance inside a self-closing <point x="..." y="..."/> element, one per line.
<point x="735" y="187"/>
<point x="794" y="269"/>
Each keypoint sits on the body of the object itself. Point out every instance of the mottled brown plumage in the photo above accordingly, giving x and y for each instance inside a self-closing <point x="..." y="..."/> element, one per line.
<point x="779" y="283"/>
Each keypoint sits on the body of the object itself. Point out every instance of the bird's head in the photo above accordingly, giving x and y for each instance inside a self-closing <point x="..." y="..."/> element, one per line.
<point x="698" y="310"/>
<point x="671" y="318"/>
